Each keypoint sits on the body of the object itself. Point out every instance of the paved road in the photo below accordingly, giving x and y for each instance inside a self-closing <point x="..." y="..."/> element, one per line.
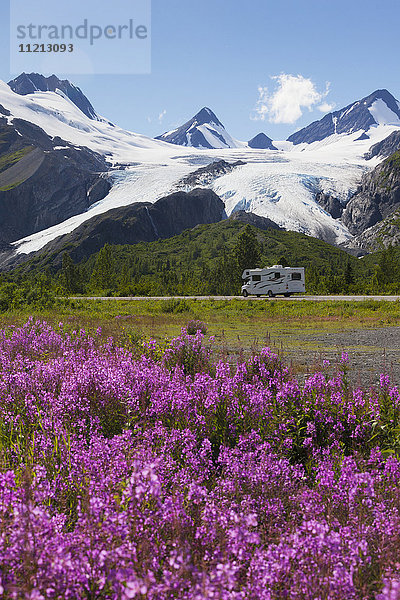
<point x="296" y="298"/>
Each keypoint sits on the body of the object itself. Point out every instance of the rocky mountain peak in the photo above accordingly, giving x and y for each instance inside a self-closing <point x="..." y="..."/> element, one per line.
<point x="204" y="130"/>
<point x="262" y="142"/>
<point x="378" y="108"/>
<point x="206" y="115"/>
<point x="387" y="98"/>
<point x="28" y="83"/>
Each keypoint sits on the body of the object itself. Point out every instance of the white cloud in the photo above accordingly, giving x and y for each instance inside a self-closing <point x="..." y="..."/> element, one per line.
<point x="325" y="107"/>
<point x="286" y="102"/>
<point x="159" y="118"/>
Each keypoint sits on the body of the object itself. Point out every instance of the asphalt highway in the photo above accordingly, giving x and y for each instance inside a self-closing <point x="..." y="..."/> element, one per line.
<point x="262" y="298"/>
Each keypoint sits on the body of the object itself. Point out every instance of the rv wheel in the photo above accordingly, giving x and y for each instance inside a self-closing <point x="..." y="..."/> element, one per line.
<point x="287" y="295"/>
<point x="245" y="294"/>
<point x="271" y="294"/>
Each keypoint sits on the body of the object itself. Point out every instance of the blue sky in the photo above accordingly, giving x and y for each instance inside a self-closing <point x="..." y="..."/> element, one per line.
<point x="221" y="53"/>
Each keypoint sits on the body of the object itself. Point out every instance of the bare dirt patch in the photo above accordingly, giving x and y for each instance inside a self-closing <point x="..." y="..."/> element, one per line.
<point x="371" y="352"/>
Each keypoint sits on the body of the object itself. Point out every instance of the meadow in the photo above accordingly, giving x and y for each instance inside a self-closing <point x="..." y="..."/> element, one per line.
<point x="235" y="323"/>
<point x="144" y="455"/>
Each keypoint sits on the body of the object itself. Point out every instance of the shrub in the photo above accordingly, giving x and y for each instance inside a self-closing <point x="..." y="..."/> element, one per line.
<point x="194" y="326"/>
<point x="187" y="351"/>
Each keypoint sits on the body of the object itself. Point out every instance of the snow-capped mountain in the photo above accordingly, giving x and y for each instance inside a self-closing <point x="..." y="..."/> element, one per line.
<point x="262" y="142"/>
<point x="282" y="186"/>
<point x="204" y="130"/>
<point x="59" y="117"/>
<point x="28" y="83"/>
<point x="379" y="108"/>
<point x="44" y="180"/>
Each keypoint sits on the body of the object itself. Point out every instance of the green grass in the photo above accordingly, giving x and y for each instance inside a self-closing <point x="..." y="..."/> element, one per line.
<point x="11" y="186"/>
<point x="9" y="159"/>
<point x="240" y="327"/>
<point x="236" y="323"/>
<point x="393" y="161"/>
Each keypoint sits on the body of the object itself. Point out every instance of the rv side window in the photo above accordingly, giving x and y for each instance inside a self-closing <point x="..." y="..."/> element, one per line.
<point x="256" y="277"/>
<point x="277" y="275"/>
<point x="296" y="276"/>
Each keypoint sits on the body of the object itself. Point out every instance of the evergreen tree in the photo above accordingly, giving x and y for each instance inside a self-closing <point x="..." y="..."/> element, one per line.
<point x="69" y="276"/>
<point x="386" y="274"/>
<point x="349" y="274"/>
<point x="225" y="279"/>
<point x="103" y="273"/>
<point x="282" y="261"/>
<point x="247" y="250"/>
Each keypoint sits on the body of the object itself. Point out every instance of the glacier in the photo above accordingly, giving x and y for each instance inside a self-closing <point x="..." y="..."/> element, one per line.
<point x="278" y="184"/>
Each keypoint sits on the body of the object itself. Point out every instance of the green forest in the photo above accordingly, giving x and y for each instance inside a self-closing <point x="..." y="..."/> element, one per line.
<point x="206" y="260"/>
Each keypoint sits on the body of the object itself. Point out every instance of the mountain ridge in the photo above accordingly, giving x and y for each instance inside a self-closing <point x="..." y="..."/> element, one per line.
<point x="261" y="141"/>
<point x="138" y="222"/>
<point x="28" y="83"/>
<point x="303" y="191"/>
<point x="45" y="180"/>
<point x="204" y="130"/>
<point x="356" y="116"/>
<point x="376" y="198"/>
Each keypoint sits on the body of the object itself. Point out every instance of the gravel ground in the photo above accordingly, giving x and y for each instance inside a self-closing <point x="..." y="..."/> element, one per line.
<point x="371" y="352"/>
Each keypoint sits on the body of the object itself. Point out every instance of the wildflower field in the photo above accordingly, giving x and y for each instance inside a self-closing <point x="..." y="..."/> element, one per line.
<point x="154" y="471"/>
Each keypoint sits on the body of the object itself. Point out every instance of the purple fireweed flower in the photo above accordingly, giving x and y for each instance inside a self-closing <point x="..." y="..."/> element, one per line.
<point x="169" y="475"/>
<point x="344" y="359"/>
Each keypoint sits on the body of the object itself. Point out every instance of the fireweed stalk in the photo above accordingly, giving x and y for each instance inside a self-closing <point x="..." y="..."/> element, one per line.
<point x="163" y="474"/>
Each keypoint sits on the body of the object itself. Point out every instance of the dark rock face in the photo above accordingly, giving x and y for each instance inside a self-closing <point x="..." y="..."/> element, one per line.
<point x="363" y="136"/>
<point x="353" y="117"/>
<point x="189" y="134"/>
<point x="45" y="186"/>
<point x="376" y="198"/>
<point x="98" y="190"/>
<point x="206" y="115"/>
<point x="35" y="135"/>
<point x="140" y="222"/>
<point x="332" y="205"/>
<point x="4" y="111"/>
<point x="381" y="235"/>
<point x="179" y="211"/>
<point x="205" y="175"/>
<point x="249" y="218"/>
<point x="261" y="141"/>
<point x="386" y="147"/>
<point x="27" y="83"/>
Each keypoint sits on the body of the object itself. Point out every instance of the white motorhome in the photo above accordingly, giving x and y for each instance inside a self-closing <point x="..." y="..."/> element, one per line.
<point x="274" y="280"/>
